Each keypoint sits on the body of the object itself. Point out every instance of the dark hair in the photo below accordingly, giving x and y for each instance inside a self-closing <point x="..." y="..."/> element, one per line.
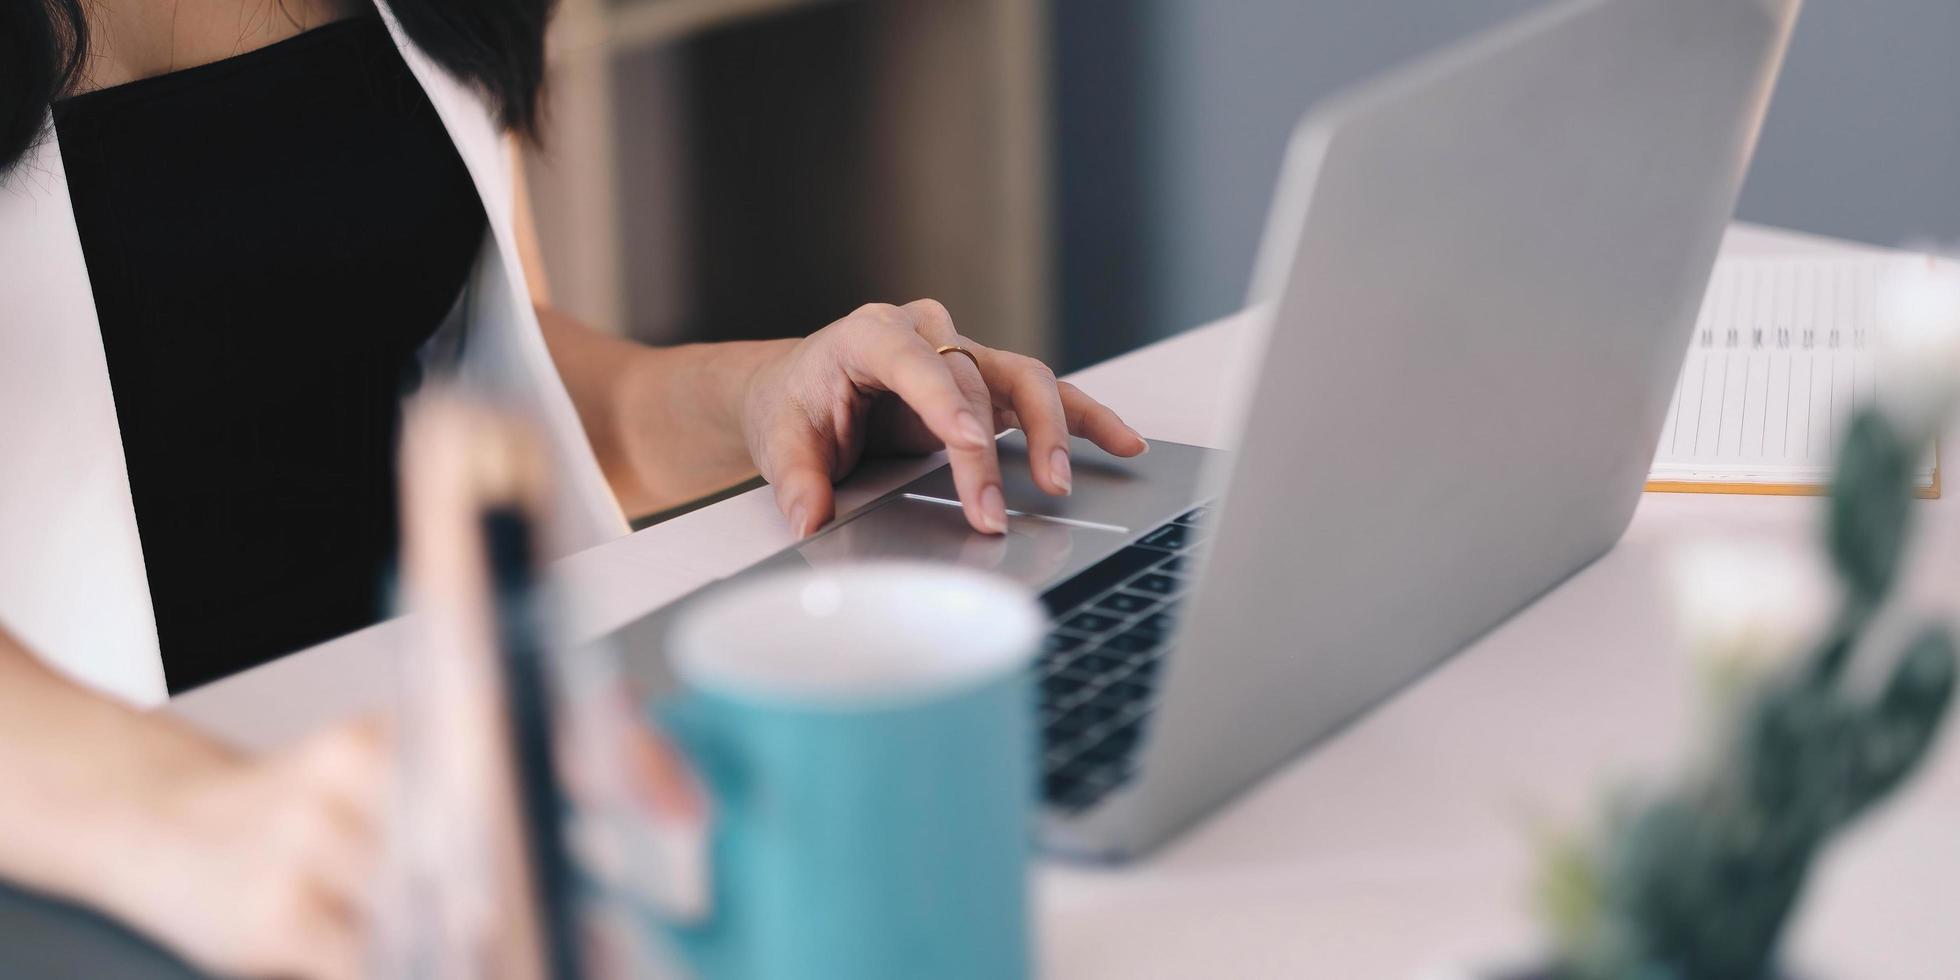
<point x="498" y="45"/>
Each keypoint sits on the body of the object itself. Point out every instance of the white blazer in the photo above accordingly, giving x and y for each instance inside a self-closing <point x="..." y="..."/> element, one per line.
<point x="72" y="583"/>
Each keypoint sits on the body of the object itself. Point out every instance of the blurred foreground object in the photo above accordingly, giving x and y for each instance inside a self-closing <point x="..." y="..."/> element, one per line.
<point x="505" y="843"/>
<point x="1698" y="880"/>
<point x="1919" y="308"/>
<point x="461" y="891"/>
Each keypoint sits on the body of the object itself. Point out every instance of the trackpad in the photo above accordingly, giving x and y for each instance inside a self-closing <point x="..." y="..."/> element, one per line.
<point x="1035" y="551"/>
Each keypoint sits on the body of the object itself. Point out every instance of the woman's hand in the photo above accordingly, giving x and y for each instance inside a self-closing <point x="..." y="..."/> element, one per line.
<point x="673" y="424"/>
<point x="259" y="867"/>
<point x="872" y="382"/>
<point x="243" y="866"/>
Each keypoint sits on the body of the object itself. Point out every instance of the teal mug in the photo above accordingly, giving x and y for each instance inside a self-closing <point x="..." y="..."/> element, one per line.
<point x="866" y="735"/>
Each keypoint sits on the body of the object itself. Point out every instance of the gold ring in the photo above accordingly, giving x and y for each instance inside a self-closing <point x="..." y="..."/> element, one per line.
<point x="957" y="349"/>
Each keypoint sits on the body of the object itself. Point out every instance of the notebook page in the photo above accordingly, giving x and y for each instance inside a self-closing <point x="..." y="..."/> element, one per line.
<point x="1783" y="352"/>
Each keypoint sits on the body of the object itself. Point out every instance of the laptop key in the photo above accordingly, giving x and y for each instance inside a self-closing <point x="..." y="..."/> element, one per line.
<point x="1061" y="643"/>
<point x="1088" y="622"/>
<point x="1193" y="516"/>
<point x="1092" y="713"/>
<point x="1079" y="797"/>
<point x="1126" y="696"/>
<point x="1060" y="785"/>
<point x="1136" y="640"/>
<point x="1098" y="578"/>
<point x="1124" y="772"/>
<point x="1126" y="603"/>
<point x="1124" y="693"/>
<point x="1059" y="648"/>
<point x="1170" y="537"/>
<point x="1162" y="621"/>
<point x="1058" y="686"/>
<point x="1119" y="743"/>
<point x="1074" y="722"/>
<point x="1156" y="583"/>
<point x="1062" y="750"/>
<point x="1096" y="772"/>
<point x="1096" y="663"/>
<point x="1075" y="790"/>
<point x="1054" y="663"/>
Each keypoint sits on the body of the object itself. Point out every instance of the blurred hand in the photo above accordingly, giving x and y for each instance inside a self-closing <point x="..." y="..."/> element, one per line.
<point x="871" y="382"/>
<point x="262" y="867"/>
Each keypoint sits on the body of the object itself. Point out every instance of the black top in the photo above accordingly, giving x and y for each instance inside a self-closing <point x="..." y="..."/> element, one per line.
<point x="270" y="239"/>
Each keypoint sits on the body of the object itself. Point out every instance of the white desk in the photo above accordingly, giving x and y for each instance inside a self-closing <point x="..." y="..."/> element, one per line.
<point x="1400" y="846"/>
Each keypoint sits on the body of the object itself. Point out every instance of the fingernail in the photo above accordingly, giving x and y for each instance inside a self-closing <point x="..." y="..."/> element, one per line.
<point x="799" y="516"/>
<point x="993" y="510"/>
<point x="1058" y="470"/>
<point x="971" y="431"/>
<point x="1141" y="441"/>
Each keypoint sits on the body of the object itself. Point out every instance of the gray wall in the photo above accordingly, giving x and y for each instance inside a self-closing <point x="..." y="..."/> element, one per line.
<point x="1864" y="138"/>
<point x="1171" y="115"/>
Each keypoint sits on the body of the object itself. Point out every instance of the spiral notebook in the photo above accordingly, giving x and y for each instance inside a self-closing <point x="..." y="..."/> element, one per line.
<point x="1783" y="353"/>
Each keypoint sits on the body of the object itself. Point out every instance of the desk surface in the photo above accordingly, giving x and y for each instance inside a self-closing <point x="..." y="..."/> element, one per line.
<point x="1402" y="846"/>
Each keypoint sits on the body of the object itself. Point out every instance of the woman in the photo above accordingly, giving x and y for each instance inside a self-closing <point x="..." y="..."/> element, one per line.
<point x="233" y="233"/>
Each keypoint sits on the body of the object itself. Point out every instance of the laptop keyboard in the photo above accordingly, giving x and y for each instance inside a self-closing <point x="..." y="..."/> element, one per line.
<point x="1098" y="668"/>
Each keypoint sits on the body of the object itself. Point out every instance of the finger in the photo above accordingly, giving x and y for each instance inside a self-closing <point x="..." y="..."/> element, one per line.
<point x="904" y="363"/>
<point x="318" y="950"/>
<point x="1029" y="386"/>
<point x="341" y="955"/>
<point x="336" y="783"/>
<point x="304" y="918"/>
<point x="890" y="352"/>
<point x="800" y="472"/>
<point x="1094" y="421"/>
<point x="669" y="783"/>
<point x="329" y="939"/>
<point x="931" y="321"/>
<point x="977" y="478"/>
<point x="339" y="860"/>
<point x="350" y="765"/>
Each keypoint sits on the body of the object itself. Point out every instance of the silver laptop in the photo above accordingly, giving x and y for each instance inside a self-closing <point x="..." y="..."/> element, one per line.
<point x="1478" y="279"/>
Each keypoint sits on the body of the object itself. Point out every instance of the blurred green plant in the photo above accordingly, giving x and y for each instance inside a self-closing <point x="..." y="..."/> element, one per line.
<point x="1698" y="881"/>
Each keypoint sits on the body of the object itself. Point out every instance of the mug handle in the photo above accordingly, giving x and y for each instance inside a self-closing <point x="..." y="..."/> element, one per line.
<point x="649" y="833"/>
<point x="679" y="824"/>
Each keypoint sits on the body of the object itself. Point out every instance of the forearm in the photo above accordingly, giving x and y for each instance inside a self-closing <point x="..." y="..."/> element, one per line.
<point x="77" y="768"/>
<point x="664" y="422"/>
